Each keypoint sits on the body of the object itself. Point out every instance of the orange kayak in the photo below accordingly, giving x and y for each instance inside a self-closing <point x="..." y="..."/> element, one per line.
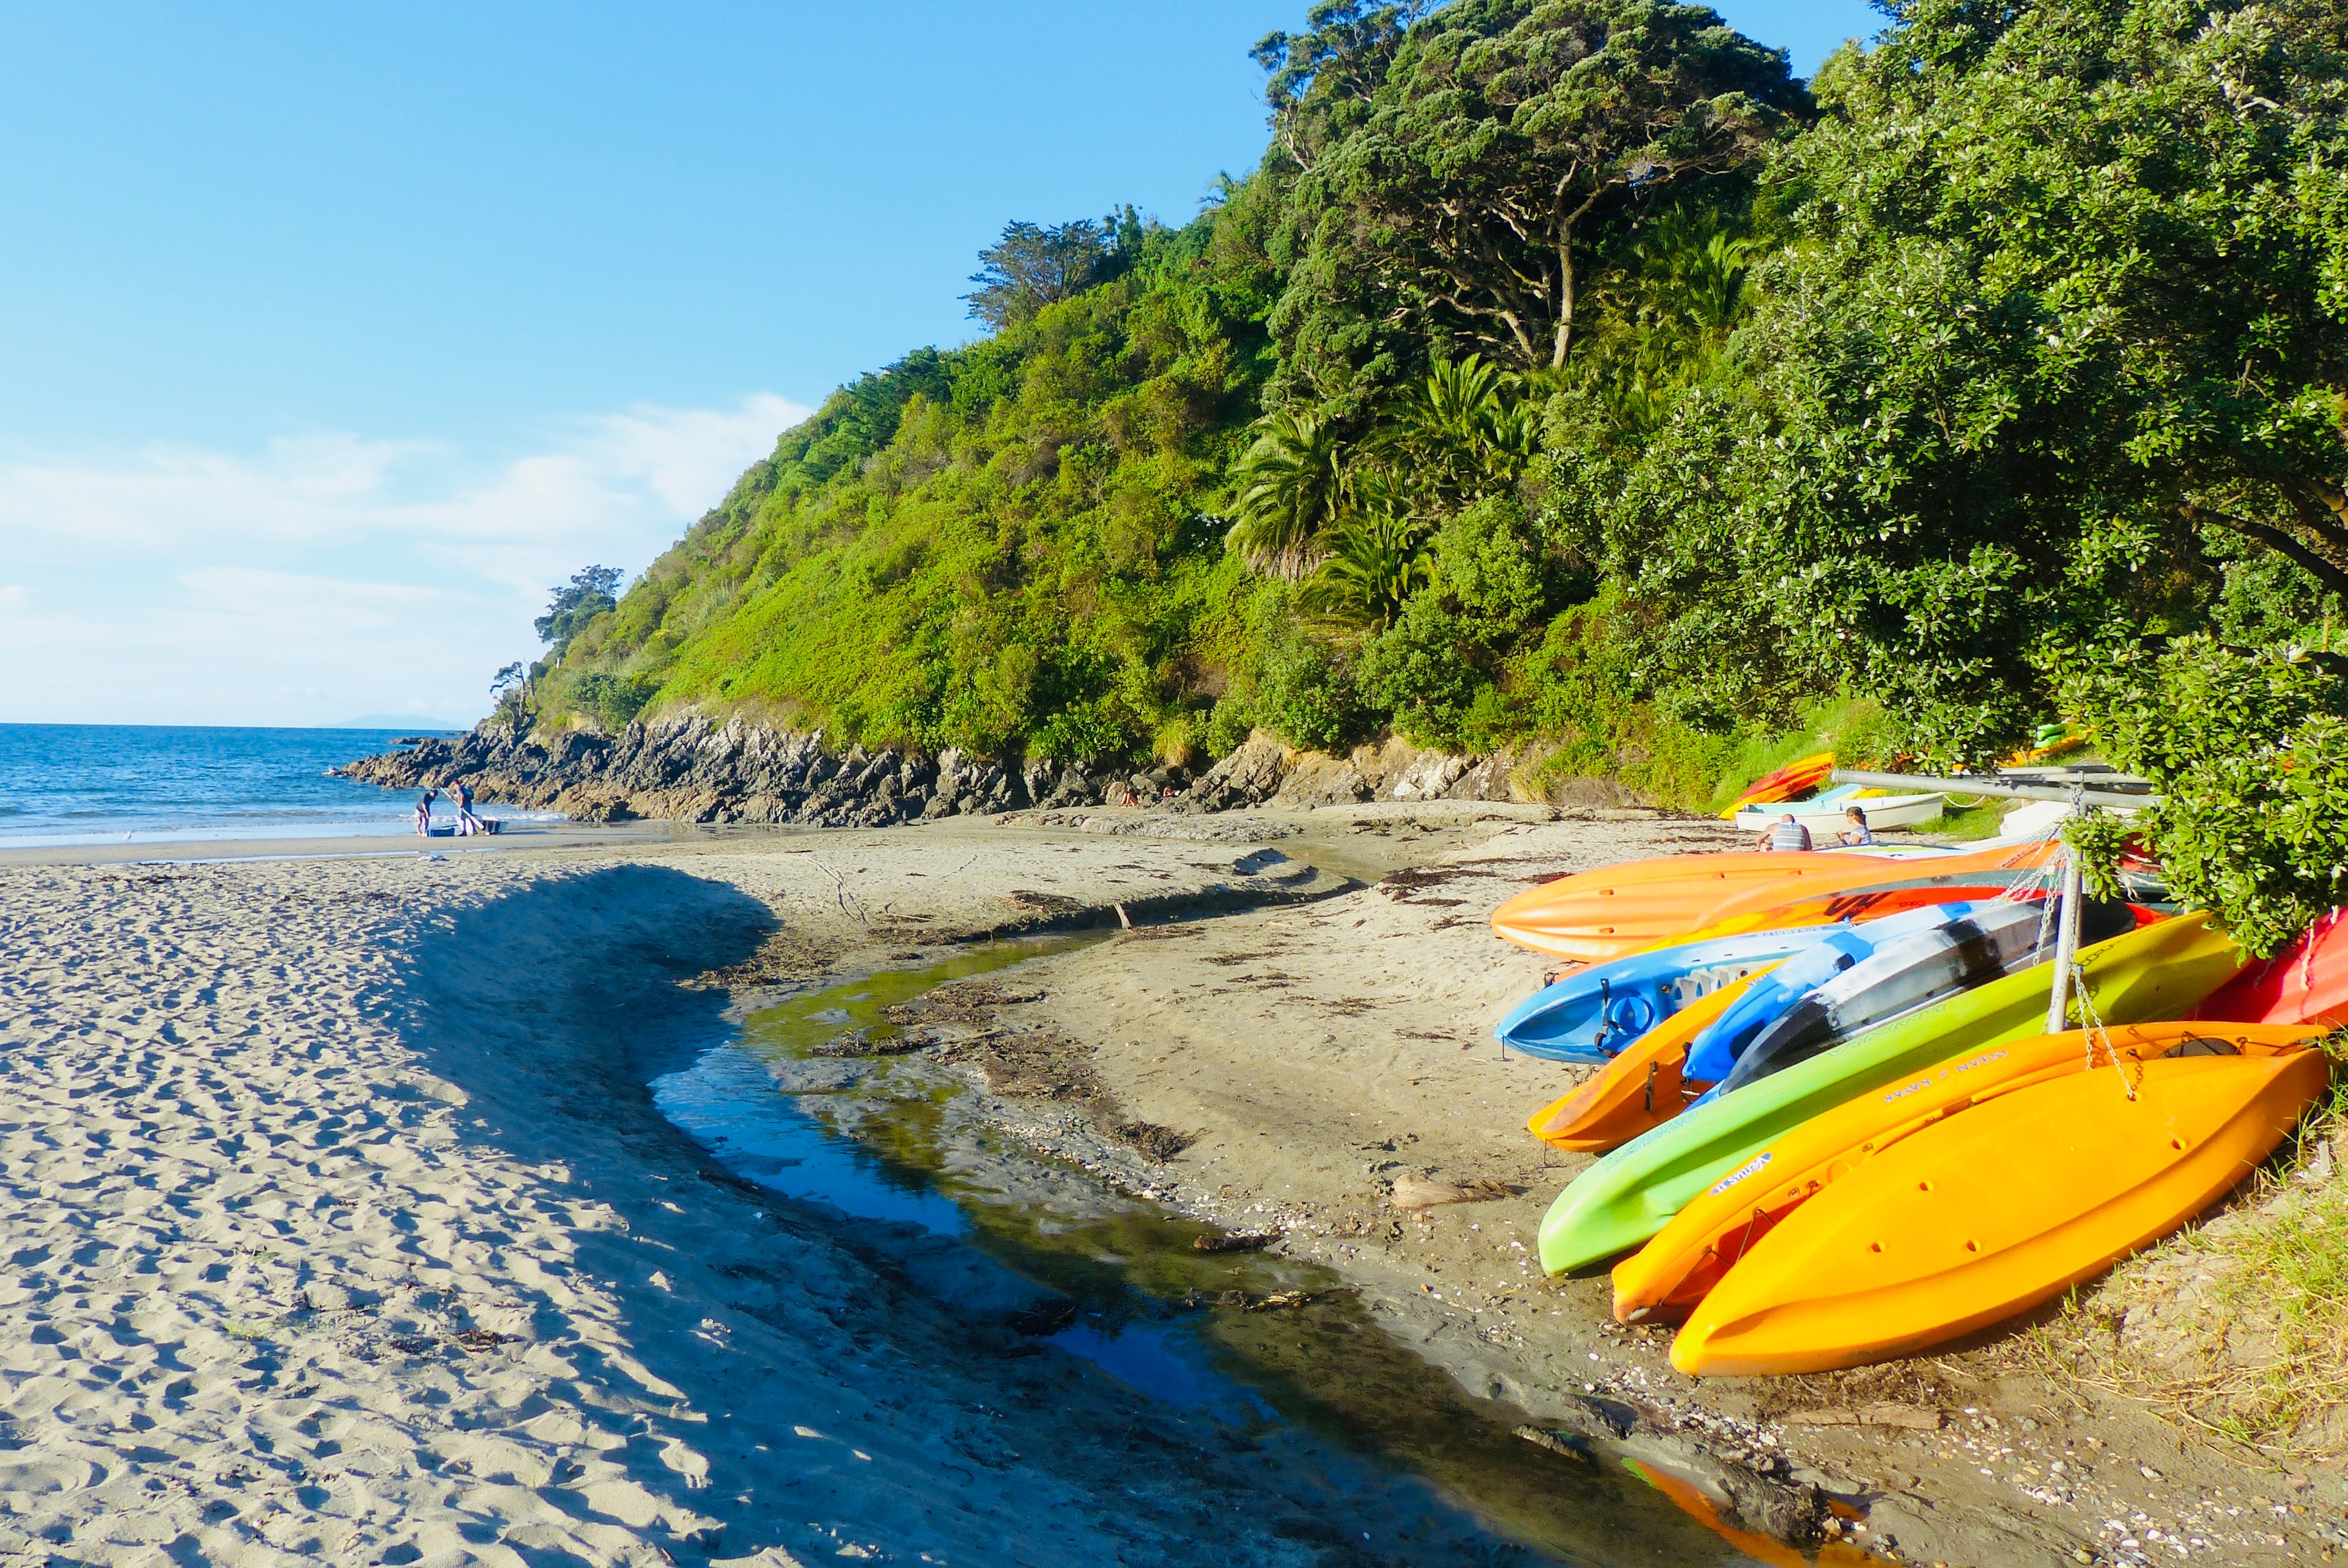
<point x="1977" y="1217"/>
<point x="1638" y="1089"/>
<point x="1795" y="779"/>
<point x="1688" y="1256"/>
<point x="1595" y="916"/>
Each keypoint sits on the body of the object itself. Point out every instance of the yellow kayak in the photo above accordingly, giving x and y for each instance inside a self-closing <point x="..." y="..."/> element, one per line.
<point x="1671" y="1272"/>
<point x="1983" y="1215"/>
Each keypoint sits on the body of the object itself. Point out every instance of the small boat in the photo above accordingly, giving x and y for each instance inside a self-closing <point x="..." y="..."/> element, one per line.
<point x="1972" y="945"/>
<point x="1640" y="1088"/>
<point x="1592" y="1014"/>
<point x="2152" y="972"/>
<point x="1615" y="910"/>
<point x="1977" y="1217"/>
<point x="1824" y="816"/>
<point x="1715" y="1053"/>
<point x="1671" y="1272"/>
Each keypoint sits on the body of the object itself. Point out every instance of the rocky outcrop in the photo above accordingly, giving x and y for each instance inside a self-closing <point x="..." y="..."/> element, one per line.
<point x="1264" y="772"/>
<point x="696" y="769"/>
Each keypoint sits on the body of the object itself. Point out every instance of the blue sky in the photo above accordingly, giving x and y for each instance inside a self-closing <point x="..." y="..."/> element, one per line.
<point x="333" y="335"/>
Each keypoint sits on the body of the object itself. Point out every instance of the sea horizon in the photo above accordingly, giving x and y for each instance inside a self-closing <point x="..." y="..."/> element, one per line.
<point x="89" y="784"/>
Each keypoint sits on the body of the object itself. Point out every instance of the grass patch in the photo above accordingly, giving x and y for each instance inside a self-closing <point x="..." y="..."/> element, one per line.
<point x="1965" y="823"/>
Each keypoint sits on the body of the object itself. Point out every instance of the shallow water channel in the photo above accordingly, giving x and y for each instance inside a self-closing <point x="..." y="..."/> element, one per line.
<point x="890" y="1142"/>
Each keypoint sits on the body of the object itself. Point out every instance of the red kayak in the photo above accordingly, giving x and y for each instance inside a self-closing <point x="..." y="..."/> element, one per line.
<point x="2307" y="982"/>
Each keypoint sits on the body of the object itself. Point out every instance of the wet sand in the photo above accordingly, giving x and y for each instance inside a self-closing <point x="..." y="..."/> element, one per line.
<point x="342" y="1226"/>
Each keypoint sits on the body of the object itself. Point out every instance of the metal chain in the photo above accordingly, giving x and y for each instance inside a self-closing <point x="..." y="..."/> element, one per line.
<point x="2095" y="1032"/>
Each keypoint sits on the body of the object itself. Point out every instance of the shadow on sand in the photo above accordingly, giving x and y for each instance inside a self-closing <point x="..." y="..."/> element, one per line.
<point x="772" y="1371"/>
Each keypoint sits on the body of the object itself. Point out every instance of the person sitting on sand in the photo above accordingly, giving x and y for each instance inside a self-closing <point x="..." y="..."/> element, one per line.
<point x="1858" y="832"/>
<point x="1784" y="834"/>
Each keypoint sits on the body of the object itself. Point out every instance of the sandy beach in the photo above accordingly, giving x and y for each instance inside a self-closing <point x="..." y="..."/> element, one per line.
<point x="344" y="1228"/>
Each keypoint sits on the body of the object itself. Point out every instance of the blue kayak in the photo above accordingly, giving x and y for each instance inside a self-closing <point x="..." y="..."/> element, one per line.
<point x="1591" y="1015"/>
<point x="1714" y="1053"/>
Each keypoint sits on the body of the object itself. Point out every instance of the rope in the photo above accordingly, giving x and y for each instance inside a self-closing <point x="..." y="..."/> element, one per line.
<point x="2314" y="935"/>
<point x="2095" y="1032"/>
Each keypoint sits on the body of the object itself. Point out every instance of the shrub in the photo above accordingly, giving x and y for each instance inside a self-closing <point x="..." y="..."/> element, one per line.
<point x="1306" y="693"/>
<point x="612" y="701"/>
<point x="1485" y="562"/>
<point x="2249" y="750"/>
<point x="1418" y="672"/>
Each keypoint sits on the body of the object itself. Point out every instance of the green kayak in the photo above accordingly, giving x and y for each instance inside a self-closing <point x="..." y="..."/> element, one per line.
<point x="2154" y="972"/>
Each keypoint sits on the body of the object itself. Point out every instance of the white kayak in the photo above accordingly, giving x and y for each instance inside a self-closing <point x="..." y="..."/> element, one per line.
<point x="1825" y="818"/>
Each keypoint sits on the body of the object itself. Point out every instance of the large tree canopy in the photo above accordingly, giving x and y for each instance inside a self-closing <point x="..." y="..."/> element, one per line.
<point x="2069" y="300"/>
<point x="1452" y="169"/>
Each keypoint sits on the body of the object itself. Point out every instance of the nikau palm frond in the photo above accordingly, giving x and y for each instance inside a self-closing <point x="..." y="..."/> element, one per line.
<point x="1467" y="429"/>
<point x="1292" y="484"/>
<point x="1377" y="559"/>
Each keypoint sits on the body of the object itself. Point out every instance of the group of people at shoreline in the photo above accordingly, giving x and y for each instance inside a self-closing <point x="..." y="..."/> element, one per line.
<point x="462" y="794"/>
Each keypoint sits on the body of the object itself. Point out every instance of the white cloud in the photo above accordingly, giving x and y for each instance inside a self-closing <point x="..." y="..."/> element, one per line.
<point x="331" y="575"/>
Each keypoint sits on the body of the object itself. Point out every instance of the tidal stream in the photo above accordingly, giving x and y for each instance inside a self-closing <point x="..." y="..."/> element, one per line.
<point x="889" y="1143"/>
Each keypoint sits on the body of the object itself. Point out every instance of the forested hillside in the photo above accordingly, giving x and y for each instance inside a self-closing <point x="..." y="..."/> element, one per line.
<point x="1570" y="375"/>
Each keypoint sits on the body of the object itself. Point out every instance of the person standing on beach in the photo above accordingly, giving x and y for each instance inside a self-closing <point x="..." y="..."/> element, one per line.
<point x="424" y="812"/>
<point x="462" y="793"/>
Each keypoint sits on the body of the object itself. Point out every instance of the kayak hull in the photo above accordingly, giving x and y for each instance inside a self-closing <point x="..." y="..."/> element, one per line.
<point x="1987" y="1214"/>
<point x="2307" y="982"/>
<point x="1822" y="975"/>
<point x="2154" y="972"/>
<point x="1977" y="944"/>
<point x="1641" y="1088"/>
<point x="1671" y="1272"/>
<point x="1798" y="777"/>
<point x="1592" y="1014"/>
<point x="1594" y="915"/>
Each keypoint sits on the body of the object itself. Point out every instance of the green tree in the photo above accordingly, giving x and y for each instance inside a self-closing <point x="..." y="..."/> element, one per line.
<point x="1466" y="428"/>
<point x="1292" y="483"/>
<point x="2249" y="750"/>
<point x="1456" y="166"/>
<point x="1030" y="266"/>
<point x="1377" y="559"/>
<point x="2066" y="301"/>
<point x="587" y="595"/>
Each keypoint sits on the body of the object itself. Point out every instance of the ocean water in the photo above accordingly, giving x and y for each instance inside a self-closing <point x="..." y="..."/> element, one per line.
<point x="99" y="783"/>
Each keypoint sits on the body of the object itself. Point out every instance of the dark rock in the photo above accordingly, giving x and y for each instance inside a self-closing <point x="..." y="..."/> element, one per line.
<point x="1159" y="1143"/>
<point x="692" y="768"/>
<point x="1790" y="1510"/>
<point x="1243" y="1241"/>
<point x="1249" y="776"/>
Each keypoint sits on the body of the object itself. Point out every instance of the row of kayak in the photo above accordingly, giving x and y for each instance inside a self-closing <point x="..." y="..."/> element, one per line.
<point x="1833" y="1129"/>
